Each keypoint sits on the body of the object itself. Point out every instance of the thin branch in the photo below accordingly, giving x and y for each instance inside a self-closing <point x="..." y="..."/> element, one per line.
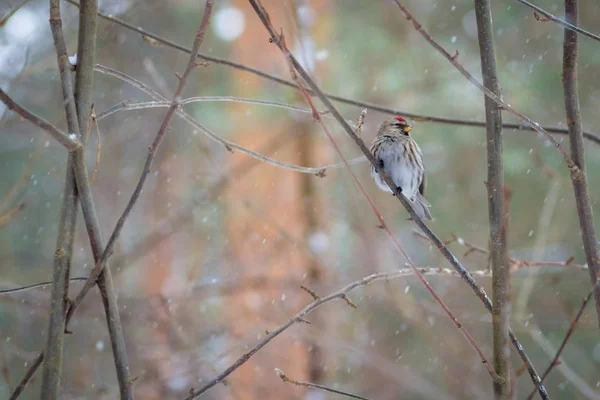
<point x="516" y="264"/>
<point x="360" y="120"/>
<point x="497" y="209"/>
<point x="386" y="110"/>
<point x="580" y="185"/>
<point x="37" y="285"/>
<point x="259" y="281"/>
<point x="479" y="291"/>
<point x="453" y="59"/>
<point x="151" y="154"/>
<point x="230" y="146"/>
<point x="316" y="386"/>
<point x="97" y="271"/>
<point x="28" y="375"/>
<point x="77" y="176"/>
<point x="98" y="146"/>
<point x="52" y="367"/>
<point x="339" y="295"/>
<point x="575" y="380"/>
<point x="264" y="16"/>
<point x="12" y="12"/>
<point x="86" y="54"/>
<point x="10" y="214"/>
<point x="123" y="106"/>
<point x="70" y="142"/>
<point x="571" y="26"/>
<point x="555" y="360"/>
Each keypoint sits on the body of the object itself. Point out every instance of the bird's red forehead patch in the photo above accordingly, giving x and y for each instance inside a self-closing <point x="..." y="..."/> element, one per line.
<point x="400" y="119"/>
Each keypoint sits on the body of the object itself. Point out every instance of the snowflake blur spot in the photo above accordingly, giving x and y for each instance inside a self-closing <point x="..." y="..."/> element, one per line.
<point x="229" y="23"/>
<point x="318" y="242"/>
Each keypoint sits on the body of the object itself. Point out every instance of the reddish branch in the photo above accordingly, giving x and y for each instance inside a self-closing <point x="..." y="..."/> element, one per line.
<point x="572" y="25"/>
<point x="555" y="361"/>
<point x="371" y="106"/>
<point x="192" y="64"/>
<point x="478" y="290"/>
<point x="285" y="378"/>
<point x="341" y="294"/>
<point x="317" y="117"/>
<point x="515" y="263"/>
<point x="573" y="168"/>
<point x="101" y="262"/>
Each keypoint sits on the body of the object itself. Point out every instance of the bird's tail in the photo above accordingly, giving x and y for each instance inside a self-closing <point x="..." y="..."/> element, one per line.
<point x="421" y="206"/>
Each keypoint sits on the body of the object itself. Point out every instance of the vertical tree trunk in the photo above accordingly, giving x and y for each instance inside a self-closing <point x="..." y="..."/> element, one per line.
<point x="580" y="186"/>
<point x="497" y="209"/>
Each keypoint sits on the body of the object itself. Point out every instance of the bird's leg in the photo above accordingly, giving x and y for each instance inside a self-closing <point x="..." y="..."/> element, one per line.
<point x="379" y="165"/>
<point x="398" y="189"/>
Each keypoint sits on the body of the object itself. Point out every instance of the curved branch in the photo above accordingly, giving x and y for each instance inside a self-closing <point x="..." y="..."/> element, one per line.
<point x="36" y="285"/>
<point x="478" y="289"/>
<point x="71" y="143"/>
<point x="371" y="106"/>
<point x="341" y="294"/>
<point x="230" y="146"/>
<point x="571" y="27"/>
<point x="555" y="361"/>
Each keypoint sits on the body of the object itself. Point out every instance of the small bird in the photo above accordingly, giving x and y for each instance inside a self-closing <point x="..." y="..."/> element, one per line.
<point x="400" y="157"/>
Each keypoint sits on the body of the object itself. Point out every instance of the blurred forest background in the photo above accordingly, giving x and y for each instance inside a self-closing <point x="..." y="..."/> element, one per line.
<point x="217" y="248"/>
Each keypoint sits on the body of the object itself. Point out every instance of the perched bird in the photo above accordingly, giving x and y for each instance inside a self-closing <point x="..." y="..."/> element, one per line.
<point x="400" y="157"/>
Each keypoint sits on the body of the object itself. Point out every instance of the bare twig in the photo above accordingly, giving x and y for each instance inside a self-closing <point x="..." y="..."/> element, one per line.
<point x="575" y="380"/>
<point x="571" y="26"/>
<point x="555" y="360"/>
<point x="104" y="253"/>
<point x="96" y="271"/>
<point x="28" y="375"/>
<point x="70" y="142"/>
<point x="480" y="291"/>
<point x="315" y="386"/>
<point x="516" y="264"/>
<point x="257" y="282"/>
<point x="126" y="105"/>
<point x="360" y="121"/>
<point x="10" y="214"/>
<point x="230" y="146"/>
<point x="52" y="368"/>
<point x="86" y="54"/>
<point x="573" y="168"/>
<point x="36" y="285"/>
<point x="339" y="295"/>
<point x="417" y="117"/>
<point x="497" y="209"/>
<point x="12" y="12"/>
<point x="293" y="66"/>
<point x="98" y="147"/>
<point x="580" y="185"/>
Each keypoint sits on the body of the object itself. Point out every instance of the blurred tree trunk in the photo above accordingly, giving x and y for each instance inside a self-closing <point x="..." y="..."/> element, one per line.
<point x="310" y="199"/>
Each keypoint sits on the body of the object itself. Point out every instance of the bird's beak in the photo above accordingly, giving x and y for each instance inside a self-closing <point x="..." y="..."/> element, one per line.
<point x="407" y="128"/>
